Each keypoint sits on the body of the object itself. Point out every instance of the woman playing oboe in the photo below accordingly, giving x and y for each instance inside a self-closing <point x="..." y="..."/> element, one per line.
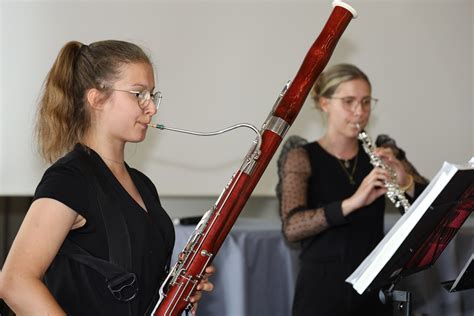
<point x="96" y="240"/>
<point x="333" y="198"/>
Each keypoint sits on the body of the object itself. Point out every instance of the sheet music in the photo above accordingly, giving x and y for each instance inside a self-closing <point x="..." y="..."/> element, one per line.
<point x="362" y="277"/>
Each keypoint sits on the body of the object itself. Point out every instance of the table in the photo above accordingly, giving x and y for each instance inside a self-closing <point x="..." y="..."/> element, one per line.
<point x="256" y="271"/>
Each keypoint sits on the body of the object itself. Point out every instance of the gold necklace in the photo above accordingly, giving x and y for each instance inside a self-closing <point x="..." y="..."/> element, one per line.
<point x="345" y="166"/>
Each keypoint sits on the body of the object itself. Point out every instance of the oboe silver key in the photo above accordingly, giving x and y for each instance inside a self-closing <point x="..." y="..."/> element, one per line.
<point x="394" y="193"/>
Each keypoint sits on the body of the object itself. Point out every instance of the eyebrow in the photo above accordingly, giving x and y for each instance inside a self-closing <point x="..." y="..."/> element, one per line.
<point x="144" y="87"/>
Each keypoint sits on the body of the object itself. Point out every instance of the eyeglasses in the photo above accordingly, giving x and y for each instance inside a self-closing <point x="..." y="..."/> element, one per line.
<point x="350" y="103"/>
<point x="144" y="97"/>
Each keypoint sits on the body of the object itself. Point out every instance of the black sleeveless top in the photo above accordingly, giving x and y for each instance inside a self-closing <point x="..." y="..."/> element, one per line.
<point x="79" y="289"/>
<point x="329" y="183"/>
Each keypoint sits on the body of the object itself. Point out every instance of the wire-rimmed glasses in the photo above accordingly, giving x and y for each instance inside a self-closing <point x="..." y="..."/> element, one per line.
<point x="350" y="103"/>
<point x="144" y="97"/>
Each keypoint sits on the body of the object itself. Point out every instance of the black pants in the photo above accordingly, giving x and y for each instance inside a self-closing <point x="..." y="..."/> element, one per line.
<point x="321" y="290"/>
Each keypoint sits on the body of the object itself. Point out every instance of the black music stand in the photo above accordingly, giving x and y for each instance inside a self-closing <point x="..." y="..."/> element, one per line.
<point x="465" y="279"/>
<point x="419" y="237"/>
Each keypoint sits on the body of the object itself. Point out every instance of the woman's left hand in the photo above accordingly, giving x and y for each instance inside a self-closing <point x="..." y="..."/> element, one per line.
<point x="386" y="153"/>
<point x="204" y="285"/>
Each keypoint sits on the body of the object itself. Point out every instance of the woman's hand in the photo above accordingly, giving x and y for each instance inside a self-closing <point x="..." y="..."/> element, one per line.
<point x="370" y="189"/>
<point x="404" y="179"/>
<point x="387" y="155"/>
<point x="204" y="285"/>
<point x="373" y="184"/>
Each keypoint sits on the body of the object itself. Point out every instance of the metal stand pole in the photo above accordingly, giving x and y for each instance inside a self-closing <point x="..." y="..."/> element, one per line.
<point x="400" y="301"/>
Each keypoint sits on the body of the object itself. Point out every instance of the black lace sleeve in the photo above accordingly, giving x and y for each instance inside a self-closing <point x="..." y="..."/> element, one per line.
<point x="298" y="220"/>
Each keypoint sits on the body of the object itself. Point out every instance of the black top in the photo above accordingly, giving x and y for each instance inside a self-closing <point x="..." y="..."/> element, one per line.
<point x="79" y="289"/>
<point x="349" y="239"/>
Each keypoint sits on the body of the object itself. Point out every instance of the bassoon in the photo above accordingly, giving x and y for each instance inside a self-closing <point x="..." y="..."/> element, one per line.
<point x="214" y="226"/>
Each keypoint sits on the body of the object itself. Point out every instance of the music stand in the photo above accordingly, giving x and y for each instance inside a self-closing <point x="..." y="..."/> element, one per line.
<point x="465" y="279"/>
<point x="417" y="240"/>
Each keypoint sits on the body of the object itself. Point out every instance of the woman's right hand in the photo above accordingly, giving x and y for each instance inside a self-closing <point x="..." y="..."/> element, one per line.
<point x="372" y="187"/>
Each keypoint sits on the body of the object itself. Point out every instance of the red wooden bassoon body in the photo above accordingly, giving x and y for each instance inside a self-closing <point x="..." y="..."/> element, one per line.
<point x="215" y="225"/>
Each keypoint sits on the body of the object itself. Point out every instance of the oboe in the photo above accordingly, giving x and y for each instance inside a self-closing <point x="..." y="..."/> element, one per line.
<point x="216" y="223"/>
<point x="394" y="193"/>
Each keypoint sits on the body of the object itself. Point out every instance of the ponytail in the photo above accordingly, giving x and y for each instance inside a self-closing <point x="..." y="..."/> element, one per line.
<point x="56" y="108"/>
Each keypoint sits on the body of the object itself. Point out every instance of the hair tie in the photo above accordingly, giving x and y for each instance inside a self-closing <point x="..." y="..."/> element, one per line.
<point x="80" y="52"/>
<point x="83" y="47"/>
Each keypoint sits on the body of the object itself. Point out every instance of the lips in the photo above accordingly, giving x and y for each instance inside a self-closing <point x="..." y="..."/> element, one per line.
<point x="144" y="125"/>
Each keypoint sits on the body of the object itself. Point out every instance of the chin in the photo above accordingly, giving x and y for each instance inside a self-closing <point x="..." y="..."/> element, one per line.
<point x="137" y="139"/>
<point x="353" y="132"/>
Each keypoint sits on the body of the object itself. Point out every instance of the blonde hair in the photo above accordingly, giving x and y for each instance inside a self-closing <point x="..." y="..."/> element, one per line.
<point x="328" y="82"/>
<point x="63" y="116"/>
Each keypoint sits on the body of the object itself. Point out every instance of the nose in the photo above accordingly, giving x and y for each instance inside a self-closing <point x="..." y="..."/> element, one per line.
<point x="151" y="109"/>
<point x="357" y="109"/>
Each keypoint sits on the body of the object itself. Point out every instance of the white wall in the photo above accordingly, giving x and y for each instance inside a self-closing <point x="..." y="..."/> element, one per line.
<point x="2" y="106"/>
<point x="225" y="62"/>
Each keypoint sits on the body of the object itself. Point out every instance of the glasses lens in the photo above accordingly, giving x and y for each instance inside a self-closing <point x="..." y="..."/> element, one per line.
<point x="366" y="104"/>
<point x="143" y="98"/>
<point x="373" y="102"/>
<point x="351" y="103"/>
<point x="157" y="96"/>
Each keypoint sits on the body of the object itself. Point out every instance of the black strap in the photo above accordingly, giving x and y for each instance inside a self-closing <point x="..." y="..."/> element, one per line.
<point x="122" y="284"/>
<point x="118" y="237"/>
<point x="125" y="286"/>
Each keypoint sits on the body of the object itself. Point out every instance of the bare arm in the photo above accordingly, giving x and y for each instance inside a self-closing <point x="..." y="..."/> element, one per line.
<point x="298" y="221"/>
<point x="41" y="234"/>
